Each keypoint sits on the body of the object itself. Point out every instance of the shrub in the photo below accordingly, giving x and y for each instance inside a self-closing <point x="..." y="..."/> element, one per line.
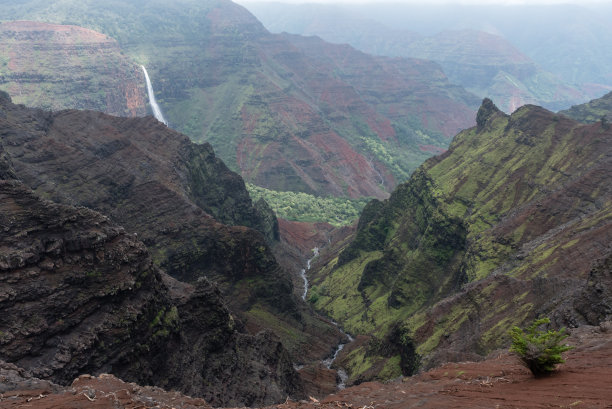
<point x="539" y="350"/>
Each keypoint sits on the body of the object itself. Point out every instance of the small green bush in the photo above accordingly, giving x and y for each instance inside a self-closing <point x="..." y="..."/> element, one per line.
<point x="539" y="350"/>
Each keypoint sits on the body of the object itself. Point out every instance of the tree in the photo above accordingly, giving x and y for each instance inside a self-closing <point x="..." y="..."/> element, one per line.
<point x="539" y="350"/>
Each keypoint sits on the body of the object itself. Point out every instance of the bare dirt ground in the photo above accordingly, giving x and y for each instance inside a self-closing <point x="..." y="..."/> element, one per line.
<point x="584" y="381"/>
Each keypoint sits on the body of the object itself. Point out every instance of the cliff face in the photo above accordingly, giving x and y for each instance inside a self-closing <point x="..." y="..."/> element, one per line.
<point x="513" y="222"/>
<point x="57" y="66"/>
<point x="154" y="182"/>
<point x="80" y="295"/>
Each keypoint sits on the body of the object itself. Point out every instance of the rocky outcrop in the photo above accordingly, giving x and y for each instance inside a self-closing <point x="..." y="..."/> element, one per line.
<point x="59" y="66"/>
<point x="154" y="182"/>
<point x="19" y="387"/>
<point x="80" y="295"/>
<point x="170" y="192"/>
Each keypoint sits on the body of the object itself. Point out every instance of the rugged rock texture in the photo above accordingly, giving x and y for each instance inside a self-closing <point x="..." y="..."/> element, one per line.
<point x="80" y="295"/>
<point x="155" y="182"/>
<point x="513" y="222"/>
<point x="57" y="66"/>
<point x="500" y="381"/>
<point x="105" y="391"/>
<point x="159" y="185"/>
<point x="272" y="112"/>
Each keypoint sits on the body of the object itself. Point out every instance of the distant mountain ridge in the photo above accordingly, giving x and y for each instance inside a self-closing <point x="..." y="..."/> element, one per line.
<point x="594" y="111"/>
<point x="259" y="99"/>
<point x="484" y="63"/>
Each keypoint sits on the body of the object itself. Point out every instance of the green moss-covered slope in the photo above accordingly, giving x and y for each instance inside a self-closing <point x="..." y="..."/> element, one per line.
<point x="593" y="111"/>
<point x="515" y="220"/>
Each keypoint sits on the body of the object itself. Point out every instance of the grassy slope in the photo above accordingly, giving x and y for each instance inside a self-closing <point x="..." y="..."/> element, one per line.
<point x="463" y="216"/>
<point x="593" y="111"/>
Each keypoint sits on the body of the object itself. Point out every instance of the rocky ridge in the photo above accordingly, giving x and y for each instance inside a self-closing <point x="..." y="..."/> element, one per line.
<point x="513" y="222"/>
<point x="56" y="66"/>
<point x="151" y="180"/>
<point x="80" y="295"/>
<point x="168" y="191"/>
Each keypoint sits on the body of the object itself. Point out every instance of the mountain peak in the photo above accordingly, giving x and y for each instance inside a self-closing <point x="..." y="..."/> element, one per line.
<point x="487" y="110"/>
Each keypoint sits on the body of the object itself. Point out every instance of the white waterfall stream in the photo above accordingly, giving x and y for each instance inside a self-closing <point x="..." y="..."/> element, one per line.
<point x="156" y="109"/>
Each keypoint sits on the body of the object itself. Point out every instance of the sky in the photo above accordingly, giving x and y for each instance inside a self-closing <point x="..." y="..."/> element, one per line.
<point x="422" y="2"/>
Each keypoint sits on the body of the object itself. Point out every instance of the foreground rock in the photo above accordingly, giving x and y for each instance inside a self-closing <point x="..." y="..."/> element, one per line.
<point x="80" y="295"/>
<point x="498" y="382"/>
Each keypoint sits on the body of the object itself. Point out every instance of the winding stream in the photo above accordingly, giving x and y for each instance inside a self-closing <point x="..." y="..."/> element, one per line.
<point x="315" y="252"/>
<point x="329" y="361"/>
<point x="156" y="109"/>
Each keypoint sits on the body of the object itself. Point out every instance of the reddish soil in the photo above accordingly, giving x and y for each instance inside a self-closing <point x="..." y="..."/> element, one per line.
<point x="432" y="148"/>
<point x="498" y="382"/>
<point x="304" y="236"/>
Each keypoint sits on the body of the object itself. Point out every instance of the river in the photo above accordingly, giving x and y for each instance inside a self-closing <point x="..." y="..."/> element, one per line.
<point x="329" y="361"/>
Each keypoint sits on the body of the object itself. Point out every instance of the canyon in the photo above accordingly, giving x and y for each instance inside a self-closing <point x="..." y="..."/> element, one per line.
<point x="137" y="270"/>
<point x="285" y="114"/>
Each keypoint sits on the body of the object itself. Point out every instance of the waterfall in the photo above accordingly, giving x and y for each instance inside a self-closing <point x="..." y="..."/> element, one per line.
<point x="156" y="109"/>
<point x="303" y="275"/>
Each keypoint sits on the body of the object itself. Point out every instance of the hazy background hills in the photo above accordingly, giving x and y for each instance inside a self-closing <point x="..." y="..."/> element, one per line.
<point x="549" y="55"/>
<point x="286" y="114"/>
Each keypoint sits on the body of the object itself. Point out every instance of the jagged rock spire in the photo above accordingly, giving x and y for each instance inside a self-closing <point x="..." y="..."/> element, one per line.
<point x="486" y="111"/>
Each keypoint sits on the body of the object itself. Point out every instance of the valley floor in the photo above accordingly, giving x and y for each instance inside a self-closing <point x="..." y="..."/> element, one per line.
<point x="498" y="382"/>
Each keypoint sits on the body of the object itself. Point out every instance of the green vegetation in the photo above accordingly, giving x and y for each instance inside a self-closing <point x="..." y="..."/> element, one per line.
<point x="453" y="224"/>
<point x="597" y="110"/>
<point x="539" y="350"/>
<point x="303" y="207"/>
